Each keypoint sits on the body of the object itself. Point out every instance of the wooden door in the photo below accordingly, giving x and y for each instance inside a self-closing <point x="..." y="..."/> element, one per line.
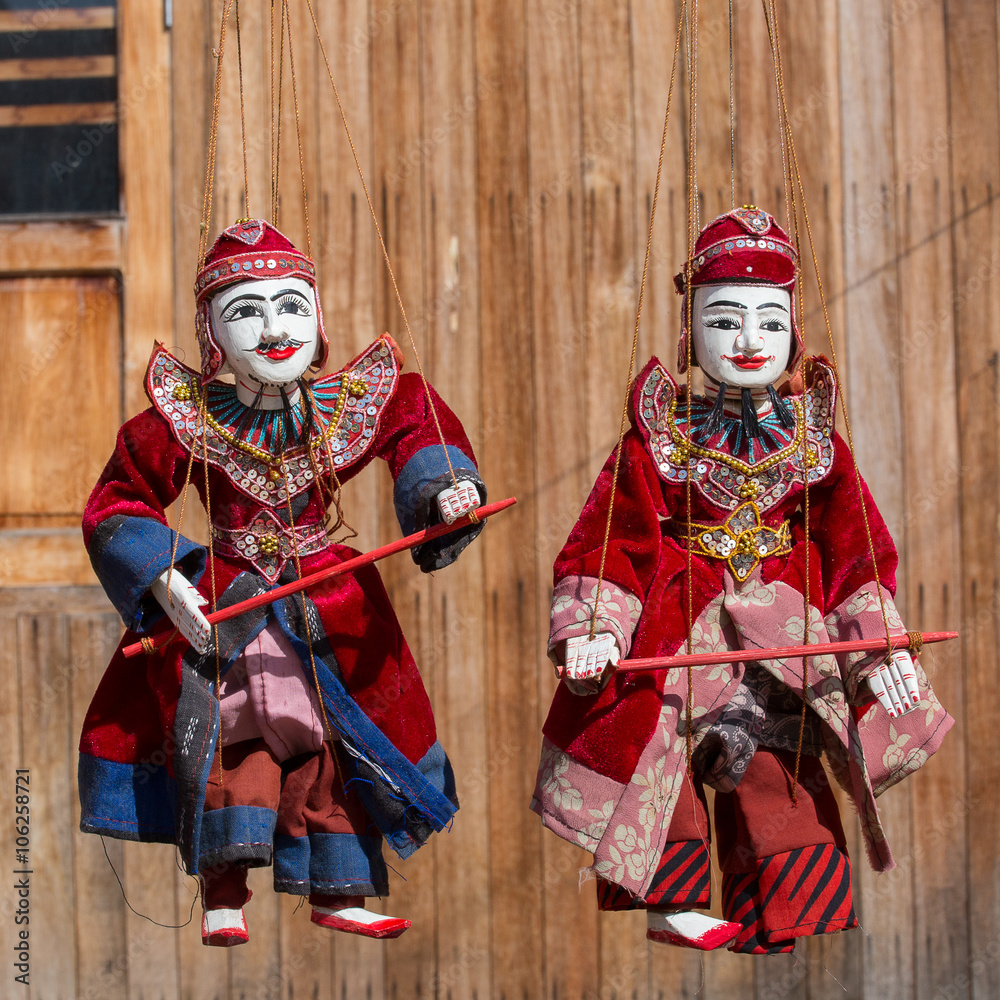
<point x="84" y="141"/>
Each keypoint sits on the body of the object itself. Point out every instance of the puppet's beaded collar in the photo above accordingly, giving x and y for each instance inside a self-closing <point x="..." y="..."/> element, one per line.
<point x="347" y="405"/>
<point x="727" y="468"/>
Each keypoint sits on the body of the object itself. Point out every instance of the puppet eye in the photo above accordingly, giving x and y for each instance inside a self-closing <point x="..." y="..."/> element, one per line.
<point x="294" y="304"/>
<point x="242" y="310"/>
<point x="723" y="323"/>
<point x="773" y="326"/>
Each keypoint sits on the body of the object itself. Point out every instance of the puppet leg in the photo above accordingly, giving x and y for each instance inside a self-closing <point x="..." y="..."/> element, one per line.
<point x="236" y="835"/>
<point x="785" y="868"/>
<point x="681" y="882"/>
<point x="326" y="847"/>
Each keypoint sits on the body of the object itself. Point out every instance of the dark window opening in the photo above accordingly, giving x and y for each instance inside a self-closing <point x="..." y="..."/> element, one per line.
<point x="58" y="108"/>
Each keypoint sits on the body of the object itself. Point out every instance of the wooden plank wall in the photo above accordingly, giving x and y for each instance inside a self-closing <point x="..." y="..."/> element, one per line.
<point x="510" y="149"/>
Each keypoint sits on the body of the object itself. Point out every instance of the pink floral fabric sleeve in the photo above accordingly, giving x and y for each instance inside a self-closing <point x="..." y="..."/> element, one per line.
<point x="573" y="604"/>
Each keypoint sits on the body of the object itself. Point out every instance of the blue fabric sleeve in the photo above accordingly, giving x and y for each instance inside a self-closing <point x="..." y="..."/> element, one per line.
<point x="128" y="554"/>
<point x="423" y="477"/>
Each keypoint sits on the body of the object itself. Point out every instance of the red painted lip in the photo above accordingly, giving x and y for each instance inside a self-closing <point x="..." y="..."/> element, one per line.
<point x="750" y="364"/>
<point x="281" y="353"/>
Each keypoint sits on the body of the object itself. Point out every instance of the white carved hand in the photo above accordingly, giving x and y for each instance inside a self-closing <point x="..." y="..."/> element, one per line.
<point x="183" y="604"/>
<point x="458" y="500"/>
<point x="588" y="659"/>
<point x="895" y="684"/>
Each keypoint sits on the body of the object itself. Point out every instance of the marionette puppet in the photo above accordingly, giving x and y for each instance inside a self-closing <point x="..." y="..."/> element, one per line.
<point x="299" y="734"/>
<point x="738" y="516"/>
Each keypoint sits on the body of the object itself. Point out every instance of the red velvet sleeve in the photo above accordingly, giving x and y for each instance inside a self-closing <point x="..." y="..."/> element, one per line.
<point x="634" y="546"/>
<point x="407" y="425"/>
<point x="837" y="525"/>
<point x="143" y="476"/>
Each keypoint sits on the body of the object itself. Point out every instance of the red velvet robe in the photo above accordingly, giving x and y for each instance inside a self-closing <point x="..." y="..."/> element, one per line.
<point x="613" y="762"/>
<point x="130" y="746"/>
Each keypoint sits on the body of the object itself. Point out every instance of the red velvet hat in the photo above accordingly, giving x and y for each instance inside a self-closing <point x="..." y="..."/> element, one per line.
<point x="250" y="250"/>
<point x="744" y="246"/>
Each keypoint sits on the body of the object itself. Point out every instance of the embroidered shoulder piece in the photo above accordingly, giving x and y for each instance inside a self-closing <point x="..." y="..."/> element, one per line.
<point x="728" y="469"/>
<point x="244" y="444"/>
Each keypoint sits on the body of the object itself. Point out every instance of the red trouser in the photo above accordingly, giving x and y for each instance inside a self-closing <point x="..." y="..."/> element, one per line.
<point x="785" y="866"/>
<point x="306" y="792"/>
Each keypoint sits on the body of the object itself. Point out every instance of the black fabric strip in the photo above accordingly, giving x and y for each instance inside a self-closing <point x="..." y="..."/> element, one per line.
<point x="839" y="896"/>
<point x="822" y="882"/>
<point x="786" y="869"/>
<point x="817" y="854"/>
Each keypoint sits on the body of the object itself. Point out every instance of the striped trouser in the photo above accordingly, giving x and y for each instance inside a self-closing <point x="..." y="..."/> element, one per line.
<point x="785" y="870"/>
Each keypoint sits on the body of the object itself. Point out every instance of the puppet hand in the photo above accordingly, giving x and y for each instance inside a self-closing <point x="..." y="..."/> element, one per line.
<point x="183" y="604"/>
<point x="587" y="660"/>
<point x="895" y="684"/>
<point x="458" y="500"/>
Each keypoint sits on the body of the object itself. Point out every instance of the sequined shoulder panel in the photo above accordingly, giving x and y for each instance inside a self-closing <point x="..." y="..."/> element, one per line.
<point x="726" y="480"/>
<point x="347" y="407"/>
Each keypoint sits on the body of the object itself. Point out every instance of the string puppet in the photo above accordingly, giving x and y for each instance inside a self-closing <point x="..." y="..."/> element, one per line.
<point x="739" y="523"/>
<point x="297" y="735"/>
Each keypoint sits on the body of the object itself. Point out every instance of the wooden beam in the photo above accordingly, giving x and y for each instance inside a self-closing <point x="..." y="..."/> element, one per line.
<point x="13" y="115"/>
<point x="52" y="247"/>
<point x="64" y="68"/>
<point x="43" y="558"/>
<point x="33" y="20"/>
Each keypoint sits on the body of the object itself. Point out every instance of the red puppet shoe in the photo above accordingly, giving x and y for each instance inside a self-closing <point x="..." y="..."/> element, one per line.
<point x="224" y="928"/>
<point x="690" y="930"/>
<point x="357" y="920"/>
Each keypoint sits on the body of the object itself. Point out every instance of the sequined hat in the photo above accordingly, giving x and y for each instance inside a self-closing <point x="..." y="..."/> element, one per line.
<point x="744" y="246"/>
<point x="250" y="250"/>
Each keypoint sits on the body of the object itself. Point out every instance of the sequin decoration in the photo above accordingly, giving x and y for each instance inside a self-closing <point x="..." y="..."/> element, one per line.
<point x="349" y="404"/>
<point x="267" y="543"/>
<point x="728" y="481"/>
<point x="742" y="540"/>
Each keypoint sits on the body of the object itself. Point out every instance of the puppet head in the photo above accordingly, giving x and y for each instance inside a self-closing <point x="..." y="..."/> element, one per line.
<point x="747" y="252"/>
<point x="277" y="308"/>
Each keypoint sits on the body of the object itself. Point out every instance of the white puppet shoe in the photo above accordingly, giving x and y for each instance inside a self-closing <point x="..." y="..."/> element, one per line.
<point x="224" y="928"/>
<point x="358" y="920"/>
<point x="690" y="930"/>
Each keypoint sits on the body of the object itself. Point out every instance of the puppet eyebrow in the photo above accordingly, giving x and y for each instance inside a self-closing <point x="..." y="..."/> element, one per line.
<point x="772" y="305"/>
<point x="287" y="291"/>
<point x="725" y="302"/>
<point x="241" y="296"/>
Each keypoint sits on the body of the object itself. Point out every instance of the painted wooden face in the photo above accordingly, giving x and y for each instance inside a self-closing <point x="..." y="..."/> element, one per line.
<point x="268" y="329"/>
<point x="742" y="333"/>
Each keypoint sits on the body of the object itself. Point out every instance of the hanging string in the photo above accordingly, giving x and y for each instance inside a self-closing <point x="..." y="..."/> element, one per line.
<point x="298" y="136"/>
<point x="732" y="114"/>
<point x="381" y="240"/>
<point x="638" y="317"/>
<point x="775" y="41"/>
<point x="693" y="228"/>
<point x="327" y="725"/>
<point x="276" y="108"/>
<point x="169" y="927"/>
<point x="211" y="564"/>
<point x="794" y="173"/>
<point x="213" y="140"/>
<point x="243" y="115"/>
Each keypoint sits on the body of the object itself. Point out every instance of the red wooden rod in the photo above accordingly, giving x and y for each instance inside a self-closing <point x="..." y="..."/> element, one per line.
<point x="784" y="653"/>
<point x="409" y="542"/>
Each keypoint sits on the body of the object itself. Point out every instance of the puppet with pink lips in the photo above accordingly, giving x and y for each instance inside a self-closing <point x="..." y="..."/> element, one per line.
<point x="298" y="735"/>
<point x="614" y="771"/>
